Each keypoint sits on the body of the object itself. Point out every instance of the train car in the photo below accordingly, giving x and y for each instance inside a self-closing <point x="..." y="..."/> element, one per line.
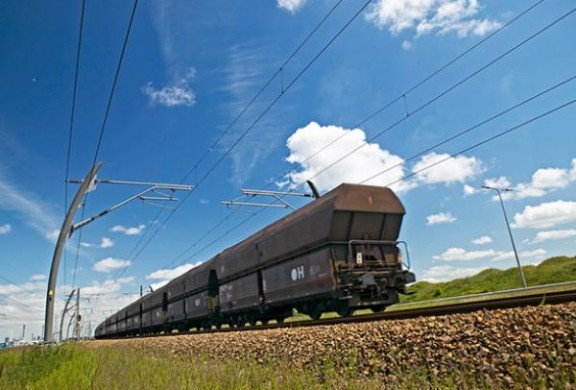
<point x="338" y="253"/>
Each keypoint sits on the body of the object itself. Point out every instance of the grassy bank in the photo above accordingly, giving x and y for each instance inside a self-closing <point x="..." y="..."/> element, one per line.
<point x="553" y="270"/>
<point x="83" y="367"/>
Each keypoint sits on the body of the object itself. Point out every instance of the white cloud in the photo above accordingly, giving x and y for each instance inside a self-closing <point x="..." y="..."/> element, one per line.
<point x="169" y="274"/>
<point x="178" y="94"/>
<point x="443" y="273"/>
<point x="163" y="276"/>
<point x="52" y="235"/>
<point x="429" y="16"/>
<point x="354" y="168"/>
<point x="537" y="254"/>
<point x="5" y="229"/>
<point x="482" y="240"/>
<point x="406" y="45"/>
<point x="501" y="182"/>
<point x="37" y="277"/>
<point x="550" y="178"/>
<point x="435" y="219"/>
<point x="24" y="304"/>
<point x="109" y="264"/>
<point x="24" y="288"/>
<point x="291" y="6"/>
<point x="435" y="168"/>
<point x="544" y="181"/>
<point x="105" y="243"/>
<point x="106" y="287"/>
<point x="157" y="285"/>
<point x="243" y="73"/>
<point x="129" y="231"/>
<point x="459" y="254"/>
<point x="469" y="190"/>
<point x="553" y="235"/>
<point x="546" y="215"/>
<point x="35" y="213"/>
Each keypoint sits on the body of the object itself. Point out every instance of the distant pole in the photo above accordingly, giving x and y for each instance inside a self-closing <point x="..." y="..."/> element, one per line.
<point x="509" y="231"/>
<point x="77" y="328"/>
<point x="64" y="314"/>
<point x="65" y="232"/>
<point x="23" y="331"/>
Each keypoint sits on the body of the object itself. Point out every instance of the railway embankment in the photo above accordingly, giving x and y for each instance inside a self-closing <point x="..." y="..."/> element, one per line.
<point x="531" y="347"/>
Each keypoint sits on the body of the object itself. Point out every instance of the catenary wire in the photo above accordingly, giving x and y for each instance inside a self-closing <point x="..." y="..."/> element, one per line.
<point x="16" y="285"/>
<point x="383" y="108"/>
<point x="478" y="71"/>
<point x="486" y="140"/>
<point x="115" y="82"/>
<point x="445" y="92"/>
<point x="261" y="90"/>
<point x="501" y="113"/>
<point x="107" y="114"/>
<point x="242" y="112"/>
<point x="470" y="129"/>
<point x="424" y="80"/>
<point x="255" y="122"/>
<point x="72" y="115"/>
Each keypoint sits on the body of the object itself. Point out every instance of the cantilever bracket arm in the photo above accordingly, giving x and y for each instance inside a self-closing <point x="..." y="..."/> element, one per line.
<point x="139" y="195"/>
<point x="278" y="195"/>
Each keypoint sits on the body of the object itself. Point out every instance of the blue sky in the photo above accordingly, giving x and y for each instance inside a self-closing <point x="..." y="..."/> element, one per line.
<point x="181" y="113"/>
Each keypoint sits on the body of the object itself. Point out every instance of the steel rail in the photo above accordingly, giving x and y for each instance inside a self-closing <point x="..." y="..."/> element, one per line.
<point x="533" y="299"/>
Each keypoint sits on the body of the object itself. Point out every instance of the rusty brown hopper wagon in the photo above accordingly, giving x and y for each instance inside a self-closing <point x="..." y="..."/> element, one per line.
<point x="339" y="253"/>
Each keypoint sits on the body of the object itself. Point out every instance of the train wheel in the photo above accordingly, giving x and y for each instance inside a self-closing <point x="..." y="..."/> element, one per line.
<point x="264" y="322"/>
<point x="315" y="314"/>
<point x="280" y="320"/>
<point x="378" y="308"/>
<point x="345" y="311"/>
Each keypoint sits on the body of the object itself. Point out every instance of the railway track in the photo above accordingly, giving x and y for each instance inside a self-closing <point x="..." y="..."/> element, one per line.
<point x="533" y="298"/>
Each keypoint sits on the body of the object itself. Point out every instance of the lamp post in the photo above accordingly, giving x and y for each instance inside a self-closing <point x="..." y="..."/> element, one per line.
<point x="498" y="190"/>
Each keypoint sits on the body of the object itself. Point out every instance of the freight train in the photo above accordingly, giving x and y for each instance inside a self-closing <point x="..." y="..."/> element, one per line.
<point x="338" y="253"/>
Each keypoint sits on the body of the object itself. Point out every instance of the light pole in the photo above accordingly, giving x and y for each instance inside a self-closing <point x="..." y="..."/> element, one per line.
<point x="509" y="230"/>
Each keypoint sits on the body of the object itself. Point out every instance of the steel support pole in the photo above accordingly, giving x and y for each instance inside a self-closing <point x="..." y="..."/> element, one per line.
<point x="77" y="327"/>
<point x="509" y="233"/>
<point x="64" y="314"/>
<point x="60" y="244"/>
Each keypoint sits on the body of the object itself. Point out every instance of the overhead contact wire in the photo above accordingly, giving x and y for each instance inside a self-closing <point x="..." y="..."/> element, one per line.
<point x="424" y="81"/>
<point x="247" y="107"/>
<point x="470" y="129"/>
<point x="71" y="125"/>
<point x="445" y="92"/>
<point x="115" y="82"/>
<point x="257" y="120"/>
<point x="485" y="141"/>
<point x="262" y="89"/>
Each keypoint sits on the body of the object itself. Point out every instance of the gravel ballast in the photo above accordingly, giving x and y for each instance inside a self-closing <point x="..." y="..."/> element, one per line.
<point x="512" y="346"/>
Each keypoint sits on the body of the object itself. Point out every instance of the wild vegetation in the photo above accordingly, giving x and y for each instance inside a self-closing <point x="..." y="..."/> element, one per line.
<point x="519" y="348"/>
<point x="553" y="270"/>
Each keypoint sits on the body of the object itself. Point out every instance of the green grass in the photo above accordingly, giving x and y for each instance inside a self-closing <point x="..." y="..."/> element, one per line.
<point x="81" y="366"/>
<point x="553" y="270"/>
